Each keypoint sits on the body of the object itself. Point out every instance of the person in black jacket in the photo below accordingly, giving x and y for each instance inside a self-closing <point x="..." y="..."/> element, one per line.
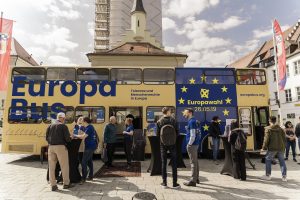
<point x="215" y="132"/>
<point x="58" y="136"/>
<point x="167" y="119"/>
<point x="238" y="155"/>
<point x="297" y="132"/>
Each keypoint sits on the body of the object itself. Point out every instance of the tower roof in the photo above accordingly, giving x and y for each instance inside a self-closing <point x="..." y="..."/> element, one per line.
<point x="138" y="6"/>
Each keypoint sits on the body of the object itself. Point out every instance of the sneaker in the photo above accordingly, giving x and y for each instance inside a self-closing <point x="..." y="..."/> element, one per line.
<point x="90" y="178"/>
<point x="298" y="163"/>
<point x="198" y="182"/>
<point x="266" y="178"/>
<point x="68" y="186"/>
<point x="176" y="186"/>
<point x="190" y="183"/>
<point x="54" y="188"/>
<point x="286" y="158"/>
<point x="284" y="179"/>
<point x="294" y="159"/>
<point x="216" y="162"/>
<point x="164" y="185"/>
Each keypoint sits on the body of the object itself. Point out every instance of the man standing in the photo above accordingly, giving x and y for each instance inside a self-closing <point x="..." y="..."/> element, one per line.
<point x="215" y="132"/>
<point x="297" y="132"/>
<point x="193" y="141"/>
<point x="110" y="140"/>
<point x="274" y="143"/>
<point x="58" y="136"/>
<point x="167" y="132"/>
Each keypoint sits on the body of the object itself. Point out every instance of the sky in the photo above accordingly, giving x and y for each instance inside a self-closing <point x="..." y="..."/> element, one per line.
<point x="213" y="33"/>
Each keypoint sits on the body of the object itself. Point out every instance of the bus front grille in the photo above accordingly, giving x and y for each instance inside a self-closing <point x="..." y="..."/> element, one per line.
<point x="26" y="148"/>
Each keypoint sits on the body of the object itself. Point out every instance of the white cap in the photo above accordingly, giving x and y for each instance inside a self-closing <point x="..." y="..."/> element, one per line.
<point x="61" y="115"/>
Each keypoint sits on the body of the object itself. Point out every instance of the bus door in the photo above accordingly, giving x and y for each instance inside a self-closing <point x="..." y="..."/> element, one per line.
<point x="120" y="113"/>
<point x="261" y="116"/>
<point x="245" y="122"/>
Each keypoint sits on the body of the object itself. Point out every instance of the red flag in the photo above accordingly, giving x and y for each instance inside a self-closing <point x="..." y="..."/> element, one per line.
<point x="5" y="47"/>
<point x="281" y="54"/>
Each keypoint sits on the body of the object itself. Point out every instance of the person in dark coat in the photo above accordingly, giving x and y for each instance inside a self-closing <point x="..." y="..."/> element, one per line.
<point x="215" y="132"/>
<point x="238" y="155"/>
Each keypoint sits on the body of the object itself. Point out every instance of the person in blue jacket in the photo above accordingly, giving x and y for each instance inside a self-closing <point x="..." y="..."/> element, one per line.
<point x="193" y="141"/>
<point x="90" y="145"/>
<point x="128" y="139"/>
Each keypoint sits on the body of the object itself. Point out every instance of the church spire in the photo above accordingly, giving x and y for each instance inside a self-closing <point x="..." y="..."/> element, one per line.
<point x="138" y="6"/>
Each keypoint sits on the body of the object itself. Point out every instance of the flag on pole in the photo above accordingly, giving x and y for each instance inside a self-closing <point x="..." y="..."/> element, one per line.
<point x="281" y="54"/>
<point x="5" y="47"/>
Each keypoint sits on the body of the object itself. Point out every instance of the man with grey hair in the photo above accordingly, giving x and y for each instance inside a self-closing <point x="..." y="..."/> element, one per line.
<point x="57" y="136"/>
<point x="110" y="131"/>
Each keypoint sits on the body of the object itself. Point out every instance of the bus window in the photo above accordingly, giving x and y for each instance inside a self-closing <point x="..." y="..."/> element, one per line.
<point x="154" y="113"/>
<point x="96" y="114"/>
<point x="224" y="76"/>
<point x="87" y="74"/>
<point x="68" y="110"/>
<point x="28" y="115"/>
<point x="61" y="74"/>
<point x="126" y="76"/>
<point x="250" y="77"/>
<point x="31" y="73"/>
<point x="159" y="76"/>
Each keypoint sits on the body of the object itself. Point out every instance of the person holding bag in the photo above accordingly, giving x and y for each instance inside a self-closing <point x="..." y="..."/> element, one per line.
<point x="128" y="134"/>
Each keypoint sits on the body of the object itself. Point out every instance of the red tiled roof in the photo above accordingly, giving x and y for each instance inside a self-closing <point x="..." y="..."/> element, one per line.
<point x="18" y="50"/>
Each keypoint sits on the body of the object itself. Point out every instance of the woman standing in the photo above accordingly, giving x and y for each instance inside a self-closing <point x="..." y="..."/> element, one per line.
<point x="90" y="145"/>
<point x="79" y="130"/>
<point x="290" y="140"/>
<point x="128" y="139"/>
<point x="238" y="141"/>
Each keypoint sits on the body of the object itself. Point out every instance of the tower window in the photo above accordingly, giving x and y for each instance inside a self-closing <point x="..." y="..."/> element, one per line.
<point x="138" y="23"/>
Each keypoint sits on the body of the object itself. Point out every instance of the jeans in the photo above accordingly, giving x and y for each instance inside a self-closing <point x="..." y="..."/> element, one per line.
<point x="270" y="156"/>
<point x="87" y="161"/>
<point x="110" y="153"/>
<point x="127" y="149"/>
<point x="164" y="150"/>
<point x="216" y="146"/>
<point x="193" y="154"/>
<point x="288" y="145"/>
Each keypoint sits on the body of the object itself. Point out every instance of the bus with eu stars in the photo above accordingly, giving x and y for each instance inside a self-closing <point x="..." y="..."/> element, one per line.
<point x="36" y="94"/>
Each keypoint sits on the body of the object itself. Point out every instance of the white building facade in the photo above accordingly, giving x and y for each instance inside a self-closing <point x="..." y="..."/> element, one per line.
<point x="289" y="98"/>
<point x="113" y="19"/>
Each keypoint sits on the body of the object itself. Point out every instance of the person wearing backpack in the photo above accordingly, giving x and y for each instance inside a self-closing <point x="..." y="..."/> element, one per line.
<point x="274" y="143"/>
<point x="193" y="141"/>
<point x="238" y="141"/>
<point x="167" y="132"/>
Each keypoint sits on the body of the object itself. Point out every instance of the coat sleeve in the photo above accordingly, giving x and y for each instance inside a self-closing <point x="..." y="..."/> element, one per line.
<point x="266" y="139"/>
<point x="67" y="134"/>
<point x="106" y="134"/>
<point x="47" y="134"/>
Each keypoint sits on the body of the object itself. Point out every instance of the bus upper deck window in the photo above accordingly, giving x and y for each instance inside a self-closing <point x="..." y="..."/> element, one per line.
<point x="94" y="74"/>
<point x="251" y="77"/>
<point x="219" y="76"/>
<point x="61" y="74"/>
<point x="126" y="76"/>
<point x="159" y="76"/>
<point x="31" y="73"/>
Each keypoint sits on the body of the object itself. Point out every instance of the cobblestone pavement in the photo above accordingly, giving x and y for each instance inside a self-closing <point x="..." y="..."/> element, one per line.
<point x="24" y="177"/>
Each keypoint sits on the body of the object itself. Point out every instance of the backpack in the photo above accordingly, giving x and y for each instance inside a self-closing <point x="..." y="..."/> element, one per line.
<point x="241" y="141"/>
<point x="168" y="135"/>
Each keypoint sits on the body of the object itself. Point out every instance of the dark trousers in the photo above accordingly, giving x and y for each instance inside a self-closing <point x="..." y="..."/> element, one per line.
<point x="164" y="150"/>
<point x="288" y="145"/>
<point x="239" y="166"/>
<point x="87" y="162"/>
<point x="110" y="153"/>
<point x="127" y="149"/>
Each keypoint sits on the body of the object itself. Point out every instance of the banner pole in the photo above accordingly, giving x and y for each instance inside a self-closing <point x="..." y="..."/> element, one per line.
<point x="277" y="74"/>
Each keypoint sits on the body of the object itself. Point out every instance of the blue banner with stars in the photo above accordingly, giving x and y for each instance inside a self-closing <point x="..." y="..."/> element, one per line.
<point x="210" y="92"/>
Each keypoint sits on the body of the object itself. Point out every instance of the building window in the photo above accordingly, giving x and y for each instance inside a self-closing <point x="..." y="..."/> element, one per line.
<point x="297" y="67"/>
<point x="288" y="95"/>
<point x="287" y="70"/>
<point x="298" y="92"/>
<point x="276" y="95"/>
<point x="274" y="75"/>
